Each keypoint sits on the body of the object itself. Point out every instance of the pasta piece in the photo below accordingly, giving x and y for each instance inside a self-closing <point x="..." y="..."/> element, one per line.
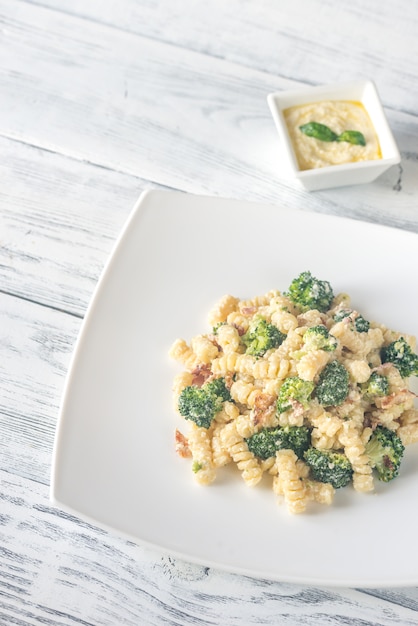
<point x="226" y="305"/>
<point x="199" y="440"/>
<point x="271" y="386"/>
<point x="366" y="434"/>
<point x="363" y="483"/>
<point x="408" y="429"/>
<point x="292" y="418"/>
<point x="245" y="425"/>
<point x="272" y="367"/>
<point x="289" y="483"/>
<point x="228" y="338"/>
<point x="291" y="344"/>
<point x="358" y="343"/>
<point x="341" y="302"/>
<point x="354" y="448"/>
<point x="409" y="417"/>
<point x="392" y="407"/>
<point x="312" y="363"/>
<point x="180" y="351"/>
<point x="359" y="370"/>
<point x="238" y="449"/>
<point x="239" y="321"/>
<point x="319" y="492"/>
<point x="389" y="417"/>
<point x="181" y="381"/>
<point x="220" y="456"/>
<point x="269" y="465"/>
<point x="282" y="303"/>
<point x="322" y="441"/>
<point x="302" y="468"/>
<point x="204" y="349"/>
<point x="310" y="318"/>
<point x="352" y="409"/>
<point x="228" y="413"/>
<point x="326" y="427"/>
<point x="226" y="363"/>
<point x="244" y="393"/>
<point x="258" y="301"/>
<point x="284" y="321"/>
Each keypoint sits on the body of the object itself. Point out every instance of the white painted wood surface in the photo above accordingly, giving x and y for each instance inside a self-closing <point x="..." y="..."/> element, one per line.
<point x="100" y="100"/>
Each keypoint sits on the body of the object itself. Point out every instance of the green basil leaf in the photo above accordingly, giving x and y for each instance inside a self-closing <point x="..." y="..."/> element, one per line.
<point x="352" y="136"/>
<point x="318" y="131"/>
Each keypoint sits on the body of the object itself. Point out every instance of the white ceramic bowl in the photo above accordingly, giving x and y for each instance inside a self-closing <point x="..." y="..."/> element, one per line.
<point x="344" y="174"/>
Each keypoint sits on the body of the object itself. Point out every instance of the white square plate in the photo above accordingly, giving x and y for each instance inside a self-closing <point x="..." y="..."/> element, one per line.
<point x="114" y="459"/>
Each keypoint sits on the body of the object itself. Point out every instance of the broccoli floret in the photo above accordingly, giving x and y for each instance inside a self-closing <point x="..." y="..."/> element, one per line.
<point x="263" y="443"/>
<point x="385" y="450"/>
<point x="294" y="391"/>
<point x="377" y="385"/>
<point x="267" y="441"/>
<point x="261" y="336"/>
<point x="201" y="404"/>
<point x="332" y="388"/>
<point x="218" y="387"/>
<point x="360" y="324"/>
<point x="318" y="338"/>
<point x="307" y="292"/>
<point x="328" y="466"/>
<point x="296" y="438"/>
<point x="400" y="354"/>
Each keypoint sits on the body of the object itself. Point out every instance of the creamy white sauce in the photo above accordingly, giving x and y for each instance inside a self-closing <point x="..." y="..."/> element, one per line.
<point x="339" y="116"/>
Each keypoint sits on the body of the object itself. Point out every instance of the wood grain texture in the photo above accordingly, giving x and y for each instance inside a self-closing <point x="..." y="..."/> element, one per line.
<point x="60" y="218"/>
<point x="121" y="101"/>
<point x="303" y="41"/>
<point x="99" y="101"/>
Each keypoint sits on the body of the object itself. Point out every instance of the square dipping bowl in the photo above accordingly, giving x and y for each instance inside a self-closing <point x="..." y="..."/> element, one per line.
<point x="353" y="173"/>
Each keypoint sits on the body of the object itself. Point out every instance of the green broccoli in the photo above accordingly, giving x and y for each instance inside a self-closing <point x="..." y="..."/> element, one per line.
<point x="400" y="354"/>
<point x="360" y="324"/>
<point x="385" y="450"/>
<point x="318" y="338"/>
<point x="218" y="387"/>
<point x="377" y="385"/>
<point x="201" y="404"/>
<point x="307" y="292"/>
<point x="294" y="391"/>
<point x="261" y="336"/>
<point x="267" y="441"/>
<point x="329" y="466"/>
<point x="333" y="384"/>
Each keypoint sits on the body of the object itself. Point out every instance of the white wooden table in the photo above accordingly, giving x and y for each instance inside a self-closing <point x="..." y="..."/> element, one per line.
<point x="99" y="100"/>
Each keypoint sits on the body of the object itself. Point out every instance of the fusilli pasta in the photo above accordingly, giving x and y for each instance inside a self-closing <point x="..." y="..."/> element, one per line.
<point x="264" y="400"/>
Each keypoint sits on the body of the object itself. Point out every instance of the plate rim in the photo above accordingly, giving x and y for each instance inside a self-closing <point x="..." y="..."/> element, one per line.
<point x="55" y="497"/>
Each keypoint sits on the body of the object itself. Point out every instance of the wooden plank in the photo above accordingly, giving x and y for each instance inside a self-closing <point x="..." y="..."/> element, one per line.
<point x="165" y="114"/>
<point x="286" y="39"/>
<point x="36" y="345"/>
<point x="59" y="219"/>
